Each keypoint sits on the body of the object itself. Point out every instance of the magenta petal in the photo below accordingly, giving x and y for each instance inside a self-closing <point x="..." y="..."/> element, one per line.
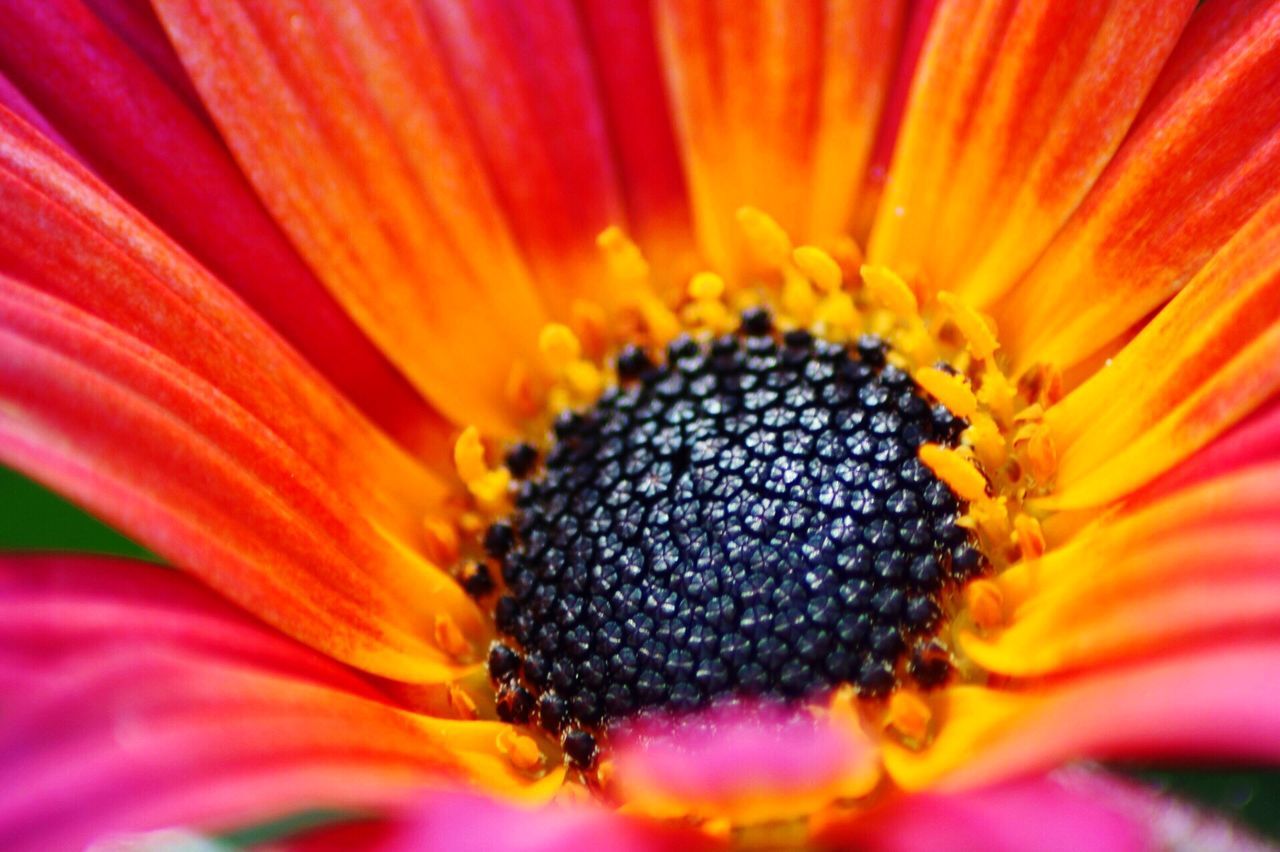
<point x="462" y="822"/>
<point x="1046" y="813"/>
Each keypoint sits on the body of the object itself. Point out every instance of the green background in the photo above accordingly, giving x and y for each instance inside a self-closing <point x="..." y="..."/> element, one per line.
<point x="34" y="519"/>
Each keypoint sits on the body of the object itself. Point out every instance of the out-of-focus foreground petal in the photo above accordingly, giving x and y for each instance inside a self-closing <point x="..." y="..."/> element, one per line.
<point x="134" y="699"/>
<point x="133" y="382"/>
<point x="106" y="82"/>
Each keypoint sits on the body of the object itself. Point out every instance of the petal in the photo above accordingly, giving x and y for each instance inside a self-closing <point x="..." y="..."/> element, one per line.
<point x="742" y="765"/>
<point x="1207" y="359"/>
<point x="137" y="385"/>
<point x="1015" y="111"/>
<point x="460" y="822"/>
<point x="346" y="121"/>
<point x="152" y="703"/>
<point x="137" y="129"/>
<point x="1216" y="703"/>
<point x="1197" y="566"/>
<point x="1201" y="161"/>
<point x="777" y="106"/>
<point x="1066" y="811"/>
<point x="624" y="51"/>
<point x="549" y="158"/>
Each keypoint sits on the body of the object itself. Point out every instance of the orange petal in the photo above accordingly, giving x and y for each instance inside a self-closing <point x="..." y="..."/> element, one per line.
<point x="1015" y="111"/>
<point x="346" y="120"/>
<point x="136" y="384"/>
<point x="777" y="105"/>
<point x="135" y="120"/>
<point x="1213" y="703"/>
<point x="1201" y="161"/>
<point x="1205" y="361"/>
<point x="174" y="708"/>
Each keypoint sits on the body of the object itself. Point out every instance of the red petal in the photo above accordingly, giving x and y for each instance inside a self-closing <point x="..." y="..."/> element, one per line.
<point x="1204" y="158"/>
<point x="139" y="133"/>
<point x="146" y="702"/>
<point x="777" y="107"/>
<point x="137" y="385"/>
<point x="1016" y="109"/>
<point x="346" y="120"/>
<point x="1204" y="362"/>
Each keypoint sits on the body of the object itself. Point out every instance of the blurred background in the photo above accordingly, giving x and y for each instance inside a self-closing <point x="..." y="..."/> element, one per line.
<point x="34" y="519"/>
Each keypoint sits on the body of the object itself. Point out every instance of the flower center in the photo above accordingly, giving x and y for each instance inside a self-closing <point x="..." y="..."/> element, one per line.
<point x="748" y="518"/>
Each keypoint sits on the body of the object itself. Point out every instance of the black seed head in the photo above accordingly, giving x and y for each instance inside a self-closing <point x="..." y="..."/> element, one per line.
<point x="521" y="459"/>
<point x="580" y="748"/>
<point x="478" y="580"/>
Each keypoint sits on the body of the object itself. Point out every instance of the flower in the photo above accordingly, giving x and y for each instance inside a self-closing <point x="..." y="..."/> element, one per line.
<point x="277" y="280"/>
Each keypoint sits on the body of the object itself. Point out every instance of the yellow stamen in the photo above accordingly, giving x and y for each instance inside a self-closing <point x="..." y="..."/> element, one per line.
<point x="997" y="392"/>
<point x="990" y="516"/>
<point x="820" y="268"/>
<point x="1031" y="544"/>
<point x="625" y="260"/>
<point x="798" y="299"/>
<point x="955" y="470"/>
<point x="660" y="322"/>
<point x="909" y="715"/>
<point x="449" y="636"/>
<point x="462" y="703"/>
<point x="837" y="316"/>
<point x="1041" y="455"/>
<point x="559" y="345"/>
<point x="889" y="291"/>
<point x="521" y="750"/>
<point x="468" y="456"/>
<point x="987" y="440"/>
<point x="440" y="540"/>
<point x="986" y="604"/>
<point x="490" y="490"/>
<point x="949" y="389"/>
<point x="706" y="286"/>
<point x="975" y="329"/>
<point x="766" y="237"/>
<point x="584" y="380"/>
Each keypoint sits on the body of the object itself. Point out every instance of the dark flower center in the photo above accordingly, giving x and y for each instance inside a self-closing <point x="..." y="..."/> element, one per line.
<point x="748" y="518"/>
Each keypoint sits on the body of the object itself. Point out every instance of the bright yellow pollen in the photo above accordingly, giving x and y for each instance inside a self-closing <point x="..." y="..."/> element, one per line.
<point x="949" y="389"/>
<point x="819" y="266"/>
<point x="706" y="286"/>
<point x="624" y="258"/>
<point x="558" y="345"/>
<point x="976" y="330"/>
<point x="765" y="236"/>
<point x="888" y="290"/>
<point x="522" y="751"/>
<point x="468" y="456"/>
<point x="955" y="470"/>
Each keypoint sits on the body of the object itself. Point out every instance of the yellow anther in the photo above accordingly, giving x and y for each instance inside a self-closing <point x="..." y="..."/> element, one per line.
<point x="975" y="328"/>
<point x="766" y="237"/>
<point x="837" y="313"/>
<point x="797" y="300"/>
<point x="461" y="702"/>
<point x="521" y="750"/>
<point x="706" y="286"/>
<point x="1040" y="454"/>
<point x="584" y="380"/>
<point x="820" y="267"/>
<point x="997" y="392"/>
<point x="559" y="345"/>
<point x="625" y="260"/>
<point x="659" y="321"/>
<point x="986" y="604"/>
<point x="1031" y="544"/>
<point x="990" y="516"/>
<point x="440" y="540"/>
<point x="449" y="636"/>
<point x="887" y="289"/>
<point x="468" y="456"/>
<point x="987" y="441"/>
<point x="490" y="490"/>
<point x="909" y="715"/>
<point x="949" y="389"/>
<point x="955" y="470"/>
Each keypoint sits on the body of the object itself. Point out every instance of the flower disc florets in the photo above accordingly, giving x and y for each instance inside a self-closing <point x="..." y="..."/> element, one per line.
<point x="748" y="518"/>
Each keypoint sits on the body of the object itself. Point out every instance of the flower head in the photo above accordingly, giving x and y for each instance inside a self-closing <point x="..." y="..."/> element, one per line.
<point x="698" y="422"/>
